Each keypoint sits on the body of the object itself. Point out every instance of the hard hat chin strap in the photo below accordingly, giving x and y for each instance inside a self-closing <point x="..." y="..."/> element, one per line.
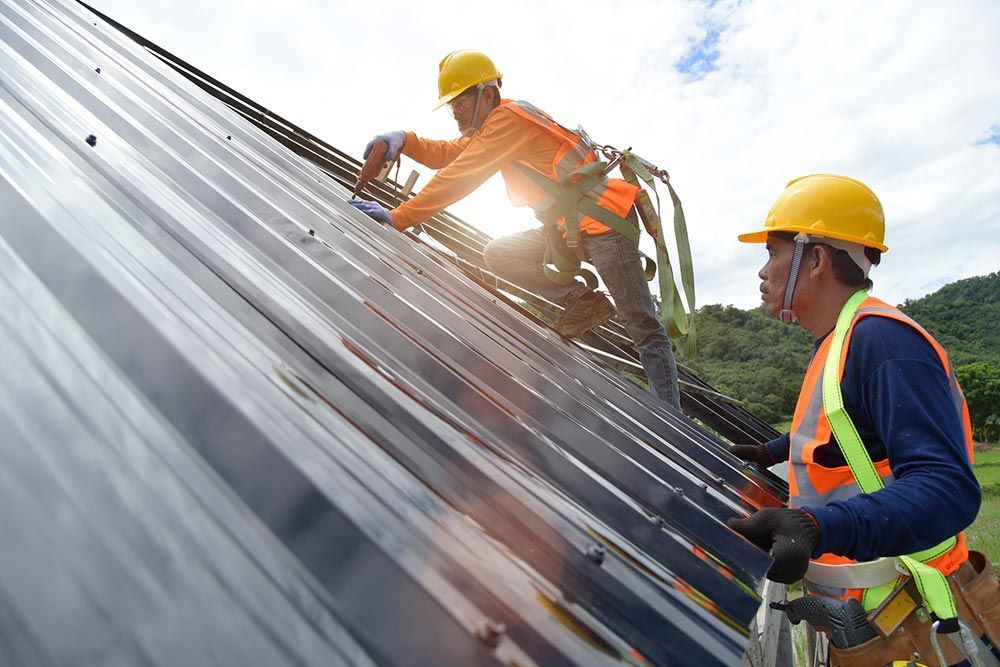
<point x="787" y="314"/>
<point x="474" y="126"/>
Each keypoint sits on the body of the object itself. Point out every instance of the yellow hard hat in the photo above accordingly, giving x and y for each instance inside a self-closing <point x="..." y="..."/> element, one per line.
<point x="461" y="70"/>
<point x="826" y="205"/>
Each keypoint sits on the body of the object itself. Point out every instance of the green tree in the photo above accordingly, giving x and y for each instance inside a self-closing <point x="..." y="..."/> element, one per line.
<point x="752" y="357"/>
<point x="981" y="383"/>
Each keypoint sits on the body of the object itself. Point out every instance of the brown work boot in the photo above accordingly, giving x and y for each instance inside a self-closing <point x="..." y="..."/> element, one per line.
<point x="583" y="313"/>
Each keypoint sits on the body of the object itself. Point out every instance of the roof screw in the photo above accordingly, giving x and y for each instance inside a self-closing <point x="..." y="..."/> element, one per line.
<point x="720" y="481"/>
<point x="92" y="140"/>
<point x="491" y="632"/>
<point x="312" y="232"/>
<point x="420" y="272"/>
<point x="679" y="491"/>
<point x="704" y="487"/>
<point x="229" y="137"/>
<point x="98" y="70"/>
<point x="657" y="521"/>
<point x="596" y="553"/>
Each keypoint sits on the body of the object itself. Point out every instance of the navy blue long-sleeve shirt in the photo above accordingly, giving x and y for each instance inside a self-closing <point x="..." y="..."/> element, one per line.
<point x="899" y="397"/>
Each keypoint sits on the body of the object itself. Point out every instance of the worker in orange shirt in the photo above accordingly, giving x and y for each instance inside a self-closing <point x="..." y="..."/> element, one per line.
<point x="526" y="145"/>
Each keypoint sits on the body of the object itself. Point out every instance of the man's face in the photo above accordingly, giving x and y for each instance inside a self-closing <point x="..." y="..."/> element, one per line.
<point x="774" y="274"/>
<point x="463" y="107"/>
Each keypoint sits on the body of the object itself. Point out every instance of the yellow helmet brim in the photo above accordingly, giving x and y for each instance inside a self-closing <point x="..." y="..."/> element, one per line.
<point x="760" y="236"/>
<point x="444" y="99"/>
<point x="452" y="94"/>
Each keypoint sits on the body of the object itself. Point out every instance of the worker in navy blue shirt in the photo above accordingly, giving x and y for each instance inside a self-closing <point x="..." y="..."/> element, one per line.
<point x="823" y="236"/>
<point x="887" y="358"/>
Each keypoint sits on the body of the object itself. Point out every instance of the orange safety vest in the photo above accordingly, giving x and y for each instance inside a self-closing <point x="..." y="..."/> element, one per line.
<point x="613" y="194"/>
<point x="813" y="485"/>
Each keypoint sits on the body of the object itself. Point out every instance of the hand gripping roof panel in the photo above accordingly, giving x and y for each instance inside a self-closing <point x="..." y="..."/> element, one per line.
<point x="244" y="424"/>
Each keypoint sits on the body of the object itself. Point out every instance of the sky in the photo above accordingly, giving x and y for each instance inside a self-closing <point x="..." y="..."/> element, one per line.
<point x="733" y="98"/>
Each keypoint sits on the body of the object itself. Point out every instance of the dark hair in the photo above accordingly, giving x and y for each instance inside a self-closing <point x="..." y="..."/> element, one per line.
<point x="844" y="268"/>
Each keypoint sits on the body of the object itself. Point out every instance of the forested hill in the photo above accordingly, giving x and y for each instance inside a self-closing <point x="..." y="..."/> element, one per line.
<point x="761" y="360"/>
<point x="752" y="357"/>
<point x="964" y="317"/>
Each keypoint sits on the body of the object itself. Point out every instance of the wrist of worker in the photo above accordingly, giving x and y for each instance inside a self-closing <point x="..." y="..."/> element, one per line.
<point x="834" y="530"/>
<point x="778" y="448"/>
<point x="408" y="143"/>
<point x="400" y="220"/>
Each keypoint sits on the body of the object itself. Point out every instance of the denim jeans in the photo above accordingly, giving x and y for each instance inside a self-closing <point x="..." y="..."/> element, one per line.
<point x="518" y="259"/>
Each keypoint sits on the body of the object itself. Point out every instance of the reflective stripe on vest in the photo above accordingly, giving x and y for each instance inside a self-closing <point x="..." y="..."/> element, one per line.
<point x="813" y="485"/>
<point x="613" y="194"/>
<point x="809" y="484"/>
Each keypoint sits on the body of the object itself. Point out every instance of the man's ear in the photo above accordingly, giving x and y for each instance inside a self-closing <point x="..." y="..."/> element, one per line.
<point x="819" y="260"/>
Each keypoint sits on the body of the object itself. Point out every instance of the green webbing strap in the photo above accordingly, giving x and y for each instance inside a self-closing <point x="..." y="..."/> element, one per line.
<point x="591" y="208"/>
<point x="933" y="588"/>
<point x="567" y="192"/>
<point x="931" y="583"/>
<point x="678" y="323"/>
<point x="873" y="597"/>
<point x="567" y="264"/>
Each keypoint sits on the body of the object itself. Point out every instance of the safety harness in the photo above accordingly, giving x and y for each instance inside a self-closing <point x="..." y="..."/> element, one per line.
<point x="563" y="254"/>
<point x="877" y="578"/>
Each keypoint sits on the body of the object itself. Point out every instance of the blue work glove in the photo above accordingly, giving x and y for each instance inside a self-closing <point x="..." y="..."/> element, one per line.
<point x="373" y="210"/>
<point x="394" y="139"/>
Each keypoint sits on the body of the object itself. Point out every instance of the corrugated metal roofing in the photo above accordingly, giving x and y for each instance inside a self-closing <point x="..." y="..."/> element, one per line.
<point x="243" y="424"/>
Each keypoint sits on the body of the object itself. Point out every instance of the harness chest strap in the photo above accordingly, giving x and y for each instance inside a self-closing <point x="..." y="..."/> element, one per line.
<point x="879" y="574"/>
<point x="571" y="195"/>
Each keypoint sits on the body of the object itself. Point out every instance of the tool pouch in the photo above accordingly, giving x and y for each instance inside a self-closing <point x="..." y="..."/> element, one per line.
<point x="977" y="593"/>
<point x="977" y="596"/>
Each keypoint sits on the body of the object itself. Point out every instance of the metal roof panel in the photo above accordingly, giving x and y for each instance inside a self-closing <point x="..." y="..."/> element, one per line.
<point x="246" y="425"/>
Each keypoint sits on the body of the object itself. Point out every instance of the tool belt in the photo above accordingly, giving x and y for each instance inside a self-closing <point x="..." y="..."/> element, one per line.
<point x="977" y="597"/>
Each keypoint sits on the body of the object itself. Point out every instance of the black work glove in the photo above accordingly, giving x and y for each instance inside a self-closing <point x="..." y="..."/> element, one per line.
<point x="758" y="454"/>
<point x="790" y="536"/>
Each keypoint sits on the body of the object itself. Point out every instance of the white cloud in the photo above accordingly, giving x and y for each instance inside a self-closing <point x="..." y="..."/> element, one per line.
<point x="895" y="93"/>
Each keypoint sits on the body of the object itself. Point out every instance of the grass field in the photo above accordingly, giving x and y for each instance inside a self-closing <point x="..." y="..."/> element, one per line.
<point x="984" y="534"/>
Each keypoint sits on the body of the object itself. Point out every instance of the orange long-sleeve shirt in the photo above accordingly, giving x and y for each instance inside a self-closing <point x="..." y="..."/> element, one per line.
<point x="467" y="162"/>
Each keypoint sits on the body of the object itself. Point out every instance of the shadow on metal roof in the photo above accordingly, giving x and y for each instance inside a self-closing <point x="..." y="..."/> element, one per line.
<point x="244" y="424"/>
